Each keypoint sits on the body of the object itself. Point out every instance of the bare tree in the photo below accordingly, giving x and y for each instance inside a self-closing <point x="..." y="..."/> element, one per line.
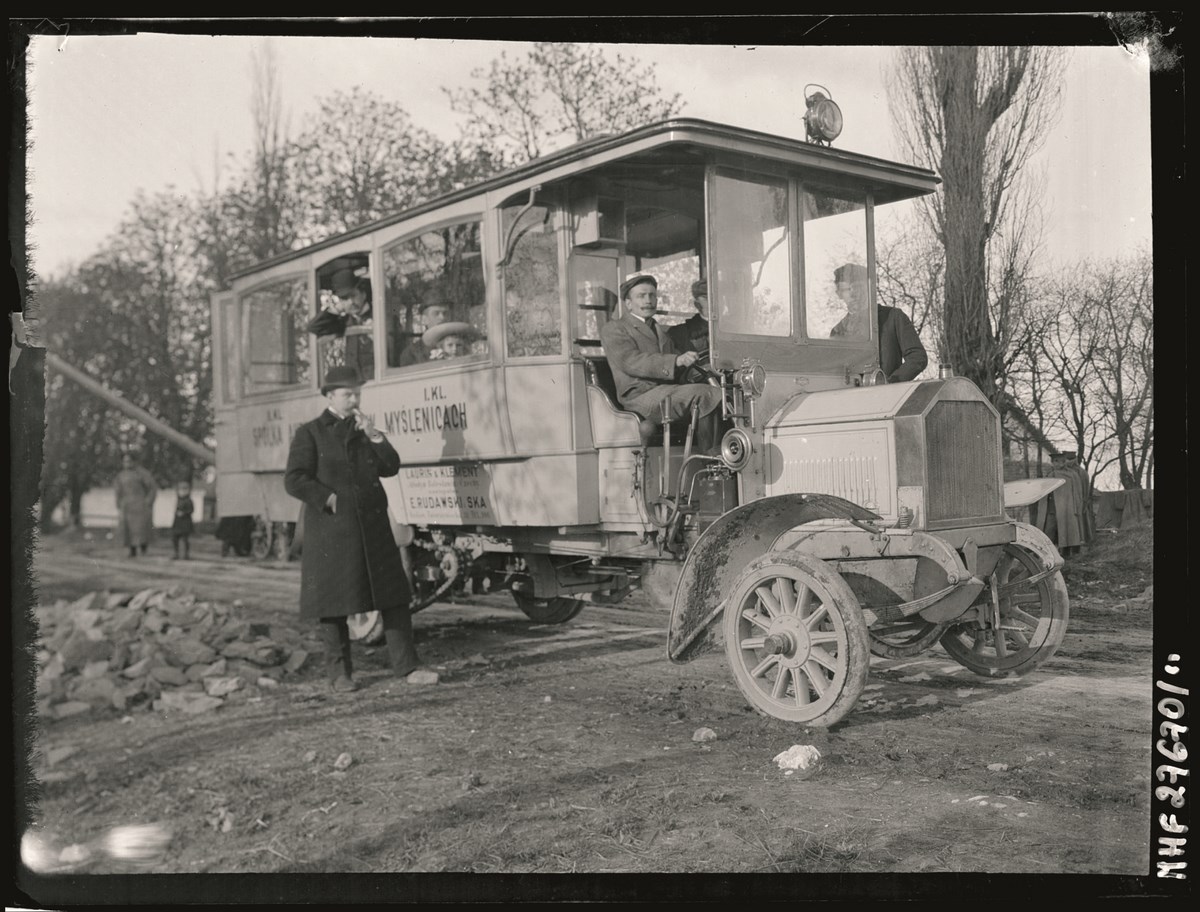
<point x="975" y="115"/>
<point x="558" y="94"/>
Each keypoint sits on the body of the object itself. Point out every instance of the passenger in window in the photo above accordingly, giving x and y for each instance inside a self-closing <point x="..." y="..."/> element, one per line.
<point x="647" y="368"/>
<point x="433" y="311"/>
<point x="349" y="317"/>
<point x="449" y="340"/>
<point x="692" y="334"/>
<point x="901" y="354"/>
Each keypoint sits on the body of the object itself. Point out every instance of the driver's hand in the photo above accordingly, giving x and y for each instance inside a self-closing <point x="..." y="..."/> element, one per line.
<point x="687" y="359"/>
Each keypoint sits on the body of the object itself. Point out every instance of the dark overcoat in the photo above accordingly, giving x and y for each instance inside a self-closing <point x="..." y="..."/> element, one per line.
<point x="350" y="563"/>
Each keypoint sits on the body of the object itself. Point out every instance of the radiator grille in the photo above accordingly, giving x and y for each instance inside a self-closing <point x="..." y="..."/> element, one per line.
<point x="963" y="450"/>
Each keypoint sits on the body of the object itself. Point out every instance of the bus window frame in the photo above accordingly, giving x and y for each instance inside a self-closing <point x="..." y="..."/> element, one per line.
<point x="315" y="303"/>
<point x="563" y="244"/>
<point x="223" y="395"/>
<point x="381" y="248"/>
<point x="294" y="390"/>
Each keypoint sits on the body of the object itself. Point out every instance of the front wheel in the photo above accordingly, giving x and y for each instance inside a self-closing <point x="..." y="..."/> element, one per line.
<point x="548" y="610"/>
<point x="796" y="639"/>
<point x="1021" y="624"/>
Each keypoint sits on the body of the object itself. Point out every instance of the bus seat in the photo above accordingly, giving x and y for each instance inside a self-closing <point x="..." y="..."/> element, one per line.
<point x="615" y="426"/>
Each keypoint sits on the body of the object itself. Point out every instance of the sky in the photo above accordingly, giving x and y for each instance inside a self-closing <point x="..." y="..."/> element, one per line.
<point x="111" y="115"/>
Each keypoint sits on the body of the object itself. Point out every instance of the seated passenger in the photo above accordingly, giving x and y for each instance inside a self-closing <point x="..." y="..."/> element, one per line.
<point x="692" y="334"/>
<point x="433" y="311"/>
<point x="348" y="316"/>
<point x="645" y="365"/>
<point x="449" y="340"/>
<point x="901" y="354"/>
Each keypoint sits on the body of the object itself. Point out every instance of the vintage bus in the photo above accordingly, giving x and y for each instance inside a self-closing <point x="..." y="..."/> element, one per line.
<point x="842" y="516"/>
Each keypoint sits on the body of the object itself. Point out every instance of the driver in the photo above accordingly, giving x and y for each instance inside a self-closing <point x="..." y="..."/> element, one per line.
<point x="692" y="334"/>
<point x="647" y="368"/>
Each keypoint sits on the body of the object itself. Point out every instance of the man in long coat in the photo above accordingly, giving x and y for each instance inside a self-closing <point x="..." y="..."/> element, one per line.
<point x="1068" y="513"/>
<point x="350" y="563"/>
<point x="645" y="363"/>
<point x="1085" y="485"/>
<point x="135" y="490"/>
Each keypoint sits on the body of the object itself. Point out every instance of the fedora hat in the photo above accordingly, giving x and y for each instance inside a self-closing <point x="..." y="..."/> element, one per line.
<point x="341" y="378"/>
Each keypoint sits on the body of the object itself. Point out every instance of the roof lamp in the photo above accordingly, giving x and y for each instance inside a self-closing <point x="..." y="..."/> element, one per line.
<point x="823" y="119"/>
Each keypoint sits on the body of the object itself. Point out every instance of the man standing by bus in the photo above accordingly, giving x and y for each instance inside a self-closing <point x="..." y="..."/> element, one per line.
<point x="646" y="366"/>
<point x="350" y="563"/>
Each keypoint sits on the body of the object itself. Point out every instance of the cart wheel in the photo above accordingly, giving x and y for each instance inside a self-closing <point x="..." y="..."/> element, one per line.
<point x="262" y="538"/>
<point x="1033" y="620"/>
<point x="366" y="627"/>
<point x="548" y="611"/>
<point x="796" y="639"/>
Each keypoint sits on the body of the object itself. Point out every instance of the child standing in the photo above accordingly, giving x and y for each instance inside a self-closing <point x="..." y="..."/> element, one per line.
<point x="182" y="527"/>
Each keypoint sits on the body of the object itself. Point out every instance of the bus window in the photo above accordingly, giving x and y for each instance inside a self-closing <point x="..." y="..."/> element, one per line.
<point x="836" y="290"/>
<point x="531" y="292"/>
<point x="596" y="282"/>
<point x="435" y="305"/>
<point x="344" y="322"/>
<point x="752" y="253"/>
<point x="275" y="352"/>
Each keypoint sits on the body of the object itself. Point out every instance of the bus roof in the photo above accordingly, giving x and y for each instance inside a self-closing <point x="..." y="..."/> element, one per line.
<point x="892" y="181"/>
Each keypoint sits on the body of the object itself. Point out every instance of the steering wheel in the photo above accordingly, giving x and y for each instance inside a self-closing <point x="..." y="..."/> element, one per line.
<point x="700" y="370"/>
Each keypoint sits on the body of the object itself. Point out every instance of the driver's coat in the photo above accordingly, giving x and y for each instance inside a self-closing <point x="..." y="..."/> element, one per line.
<point x="643" y="367"/>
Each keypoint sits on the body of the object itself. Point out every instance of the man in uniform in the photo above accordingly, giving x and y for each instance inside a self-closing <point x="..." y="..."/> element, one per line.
<point x="646" y="366"/>
<point x="692" y="334"/>
<point x="901" y="354"/>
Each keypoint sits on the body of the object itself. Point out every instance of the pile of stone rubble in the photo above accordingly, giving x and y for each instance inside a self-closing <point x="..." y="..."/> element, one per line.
<point x="155" y="650"/>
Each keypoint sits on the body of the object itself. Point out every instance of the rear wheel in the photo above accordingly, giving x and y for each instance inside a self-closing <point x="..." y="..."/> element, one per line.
<point x="796" y="640"/>
<point x="1021" y="624"/>
<point x="548" y="611"/>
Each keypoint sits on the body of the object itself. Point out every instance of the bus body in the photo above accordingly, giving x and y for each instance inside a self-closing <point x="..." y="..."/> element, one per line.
<point x="844" y="515"/>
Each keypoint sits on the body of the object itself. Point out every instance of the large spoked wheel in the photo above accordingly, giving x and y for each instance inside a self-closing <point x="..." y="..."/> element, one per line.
<point x="1032" y="620"/>
<point x="366" y="627"/>
<point x="548" y="611"/>
<point x="796" y="639"/>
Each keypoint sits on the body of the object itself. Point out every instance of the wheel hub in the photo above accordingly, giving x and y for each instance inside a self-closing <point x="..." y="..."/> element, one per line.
<point x="788" y="638"/>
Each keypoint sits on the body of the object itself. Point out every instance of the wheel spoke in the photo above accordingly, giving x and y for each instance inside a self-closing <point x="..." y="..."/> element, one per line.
<point x="1024" y="617"/>
<point x="823" y="636"/>
<point x="785" y="591"/>
<point x="779" y="688"/>
<point x="1001" y="643"/>
<point x="799" y="688"/>
<point x="755" y="617"/>
<point x="756" y="642"/>
<point x="1022" y="640"/>
<point x="821" y="613"/>
<point x="979" y="641"/>
<point x="816" y="677"/>
<point x="760" y="670"/>
<point x="827" y="659"/>
<point x="769" y="602"/>
<point x="1026" y="598"/>
<point x="804" y="599"/>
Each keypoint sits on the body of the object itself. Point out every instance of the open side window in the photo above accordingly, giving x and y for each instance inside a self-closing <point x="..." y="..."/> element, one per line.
<point x="344" y="323"/>
<point x="435" y="302"/>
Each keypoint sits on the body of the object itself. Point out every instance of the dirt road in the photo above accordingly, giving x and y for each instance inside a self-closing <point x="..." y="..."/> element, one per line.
<point x="570" y="749"/>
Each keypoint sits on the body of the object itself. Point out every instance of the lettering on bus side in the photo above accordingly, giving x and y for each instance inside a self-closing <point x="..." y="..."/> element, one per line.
<point x="437" y="414"/>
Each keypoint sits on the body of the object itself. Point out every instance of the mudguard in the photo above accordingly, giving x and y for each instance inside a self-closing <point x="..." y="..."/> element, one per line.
<point x="725" y="549"/>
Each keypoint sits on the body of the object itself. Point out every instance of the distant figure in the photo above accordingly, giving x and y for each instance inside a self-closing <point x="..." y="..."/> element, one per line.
<point x="1085" y="485"/>
<point x="349" y="317"/>
<point x="901" y="354"/>
<point x="1065" y="523"/>
<point x="182" y="527"/>
<point x="692" y="334"/>
<point x="135" y="490"/>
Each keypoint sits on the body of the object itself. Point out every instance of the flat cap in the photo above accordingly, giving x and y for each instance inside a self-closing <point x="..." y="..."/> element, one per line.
<point x="633" y="281"/>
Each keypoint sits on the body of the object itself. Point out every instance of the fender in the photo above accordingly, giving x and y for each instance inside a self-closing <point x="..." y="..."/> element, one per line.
<point x="1036" y="541"/>
<point x="723" y="551"/>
